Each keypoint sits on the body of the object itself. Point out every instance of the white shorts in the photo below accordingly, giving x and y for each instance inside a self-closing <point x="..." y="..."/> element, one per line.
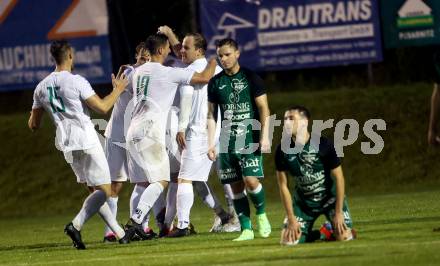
<point x="90" y="166"/>
<point x="147" y="156"/>
<point x="195" y="164"/>
<point x="171" y="143"/>
<point x="117" y="160"/>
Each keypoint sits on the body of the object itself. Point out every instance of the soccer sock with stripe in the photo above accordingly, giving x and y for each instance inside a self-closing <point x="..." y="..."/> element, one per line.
<point x="113" y="205"/>
<point x="90" y="206"/>
<point x="170" y="212"/>
<point x="257" y="198"/>
<point x="185" y="200"/>
<point x="146" y="202"/>
<point x="241" y="205"/>
<point x="110" y="220"/>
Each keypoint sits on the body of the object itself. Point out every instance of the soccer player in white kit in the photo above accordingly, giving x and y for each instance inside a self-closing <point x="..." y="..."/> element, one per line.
<point x="66" y="97"/>
<point x="192" y="135"/>
<point x="154" y="88"/>
<point x="114" y="148"/>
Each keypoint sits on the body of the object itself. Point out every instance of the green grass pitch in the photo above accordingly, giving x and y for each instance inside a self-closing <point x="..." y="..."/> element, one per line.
<point x="394" y="229"/>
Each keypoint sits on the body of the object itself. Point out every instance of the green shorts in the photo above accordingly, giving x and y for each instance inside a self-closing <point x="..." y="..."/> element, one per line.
<point x="232" y="167"/>
<point x="307" y="217"/>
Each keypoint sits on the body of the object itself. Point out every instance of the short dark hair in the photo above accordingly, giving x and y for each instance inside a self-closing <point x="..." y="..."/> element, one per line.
<point x="154" y="42"/>
<point x="59" y="50"/>
<point x="199" y="41"/>
<point x="227" y="41"/>
<point x="302" y="110"/>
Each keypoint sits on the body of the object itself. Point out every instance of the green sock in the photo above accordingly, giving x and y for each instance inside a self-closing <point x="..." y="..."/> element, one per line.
<point x="242" y="208"/>
<point x="258" y="200"/>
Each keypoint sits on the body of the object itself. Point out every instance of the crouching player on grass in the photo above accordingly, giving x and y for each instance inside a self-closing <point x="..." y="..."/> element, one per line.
<point x="319" y="182"/>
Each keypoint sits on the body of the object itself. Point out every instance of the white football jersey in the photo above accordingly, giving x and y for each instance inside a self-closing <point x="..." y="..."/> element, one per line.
<point x="154" y="88"/>
<point x="121" y="115"/>
<point x="63" y="96"/>
<point x="197" y="125"/>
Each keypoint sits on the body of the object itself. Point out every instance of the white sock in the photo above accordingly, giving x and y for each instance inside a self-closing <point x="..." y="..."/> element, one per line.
<point x="256" y="190"/>
<point x="109" y="218"/>
<point x="205" y="193"/>
<point x="113" y="205"/>
<point x="170" y="212"/>
<point x="135" y="197"/>
<point x="90" y="206"/>
<point x="146" y="202"/>
<point x="158" y="210"/>
<point x="185" y="200"/>
<point x="229" y="195"/>
<point x="209" y="200"/>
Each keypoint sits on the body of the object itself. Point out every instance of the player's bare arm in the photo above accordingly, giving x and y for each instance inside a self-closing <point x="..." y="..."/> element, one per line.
<point x="34" y="122"/>
<point x="212" y="107"/>
<point x="338" y="221"/>
<point x="172" y="38"/>
<point x="204" y="76"/>
<point x="433" y="138"/>
<point x="121" y="71"/>
<point x="293" y="231"/>
<point x="104" y="105"/>
<point x="263" y="109"/>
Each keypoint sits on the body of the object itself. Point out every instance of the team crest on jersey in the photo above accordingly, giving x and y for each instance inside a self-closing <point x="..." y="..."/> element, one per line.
<point x="238" y="85"/>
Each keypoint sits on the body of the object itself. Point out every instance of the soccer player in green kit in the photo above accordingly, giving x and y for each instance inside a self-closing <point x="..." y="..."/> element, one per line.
<point x="240" y="95"/>
<point x="319" y="181"/>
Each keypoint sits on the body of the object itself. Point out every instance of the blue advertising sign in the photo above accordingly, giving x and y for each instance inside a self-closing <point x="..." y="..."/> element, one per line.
<point x="28" y="27"/>
<point x="282" y="34"/>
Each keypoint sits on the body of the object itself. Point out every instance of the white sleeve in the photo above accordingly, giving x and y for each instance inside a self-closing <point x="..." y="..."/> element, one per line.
<point x="181" y="75"/>
<point x="186" y="93"/>
<point x="217" y="70"/>
<point x="85" y="89"/>
<point x="129" y="74"/>
<point x="37" y="102"/>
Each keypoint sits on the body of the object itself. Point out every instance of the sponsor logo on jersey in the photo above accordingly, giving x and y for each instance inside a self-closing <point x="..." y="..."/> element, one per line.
<point x="238" y="85"/>
<point x="247" y="163"/>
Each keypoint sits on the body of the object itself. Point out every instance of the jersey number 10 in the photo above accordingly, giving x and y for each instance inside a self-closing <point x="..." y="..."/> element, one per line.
<point x="53" y="95"/>
<point x="142" y="85"/>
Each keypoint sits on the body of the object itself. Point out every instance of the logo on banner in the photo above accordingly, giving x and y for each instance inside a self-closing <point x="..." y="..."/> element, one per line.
<point x="415" y="21"/>
<point x="415" y="14"/>
<point x="227" y="27"/>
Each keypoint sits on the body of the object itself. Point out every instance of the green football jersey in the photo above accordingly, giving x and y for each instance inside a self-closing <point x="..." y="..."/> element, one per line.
<point x="235" y="96"/>
<point x="314" y="186"/>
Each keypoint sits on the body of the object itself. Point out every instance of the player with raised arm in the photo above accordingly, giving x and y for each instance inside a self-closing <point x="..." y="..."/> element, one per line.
<point x="319" y="181"/>
<point x="154" y="88"/>
<point x="115" y="132"/>
<point x="66" y="97"/>
<point x="242" y="99"/>
<point x="192" y="135"/>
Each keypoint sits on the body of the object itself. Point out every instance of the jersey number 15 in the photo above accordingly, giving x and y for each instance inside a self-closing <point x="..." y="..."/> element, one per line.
<point x="56" y="102"/>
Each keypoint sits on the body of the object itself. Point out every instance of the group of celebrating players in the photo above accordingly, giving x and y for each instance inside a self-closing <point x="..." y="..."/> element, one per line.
<point x="223" y="116"/>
